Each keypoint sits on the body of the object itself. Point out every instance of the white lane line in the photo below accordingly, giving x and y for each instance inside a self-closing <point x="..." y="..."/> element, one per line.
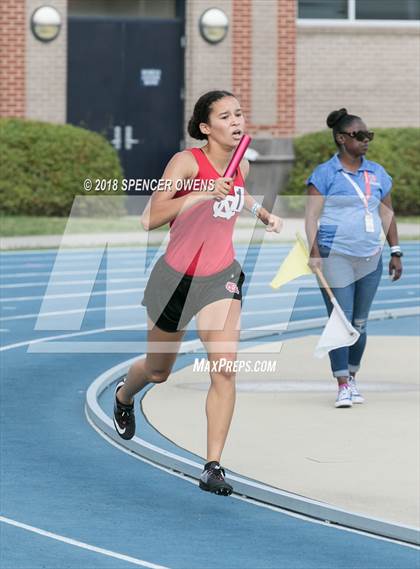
<point x="139" y="307"/>
<point x="128" y="254"/>
<point x="128" y="346"/>
<point x="255" y="283"/>
<point x="68" y="251"/>
<point x="55" y="273"/>
<point x="125" y="260"/>
<point x="75" y="252"/>
<point x="19" y="257"/>
<point x="71" y="335"/>
<point x="68" y="295"/>
<point x="316" y="291"/>
<point x="52" y="270"/>
<point x="82" y="272"/>
<point x="321" y="306"/>
<point x="73" y="283"/>
<point x="139" y="290"/>
<point x="76" y="311"/>
<point x="82" y="545"/>
<point x="261" y="262"/>
<point x="276" y="509"/>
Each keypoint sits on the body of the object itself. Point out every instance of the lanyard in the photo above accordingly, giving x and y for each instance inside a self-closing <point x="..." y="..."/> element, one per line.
<point x="362" y="196"/>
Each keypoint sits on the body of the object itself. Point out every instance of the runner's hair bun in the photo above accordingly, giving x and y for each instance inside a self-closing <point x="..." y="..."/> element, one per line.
<point x="194" y="129"/>
<point x="335" y="117"/>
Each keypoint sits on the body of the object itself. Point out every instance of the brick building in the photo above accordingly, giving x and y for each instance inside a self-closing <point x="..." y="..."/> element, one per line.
<point x="290" y="62"/>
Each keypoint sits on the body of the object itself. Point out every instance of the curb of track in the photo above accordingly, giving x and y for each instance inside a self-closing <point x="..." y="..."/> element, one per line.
<point x="245" y="486"/>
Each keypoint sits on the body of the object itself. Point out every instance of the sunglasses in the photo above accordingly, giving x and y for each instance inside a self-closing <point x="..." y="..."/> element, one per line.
<point x="360" y="135"/>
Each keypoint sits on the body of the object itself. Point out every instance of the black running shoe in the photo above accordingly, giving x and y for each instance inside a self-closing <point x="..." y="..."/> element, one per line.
<point x="124" y="420"/>
<point x="212" y="480"/>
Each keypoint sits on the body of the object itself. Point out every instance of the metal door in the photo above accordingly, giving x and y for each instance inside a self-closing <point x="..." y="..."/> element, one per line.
<point x="153" y="73"/>
<point x="125" y="81"/>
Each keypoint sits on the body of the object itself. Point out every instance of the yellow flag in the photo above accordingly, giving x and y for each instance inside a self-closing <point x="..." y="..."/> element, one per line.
<point x="294" y="265"/>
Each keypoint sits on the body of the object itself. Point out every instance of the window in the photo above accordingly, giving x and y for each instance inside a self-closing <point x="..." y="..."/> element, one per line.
<point x="359" y="9"/>
<point x="122" y="8"/>
<point x="388" y="10"/>
<point x="325" y="9"/>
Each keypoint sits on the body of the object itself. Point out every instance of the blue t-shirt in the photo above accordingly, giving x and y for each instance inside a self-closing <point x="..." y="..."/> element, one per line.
<point x="342" y="223"/>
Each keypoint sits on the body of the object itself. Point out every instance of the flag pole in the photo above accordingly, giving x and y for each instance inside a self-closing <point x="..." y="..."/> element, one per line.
<point x="324" y="283"/>
<point x="317" y="270"/>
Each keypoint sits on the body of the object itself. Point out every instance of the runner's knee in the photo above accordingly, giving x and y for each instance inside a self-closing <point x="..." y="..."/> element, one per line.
<point x="157" y="375"/>
<point x="224" y="368"/>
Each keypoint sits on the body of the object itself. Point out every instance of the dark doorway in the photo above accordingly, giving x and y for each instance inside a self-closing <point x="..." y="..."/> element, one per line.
<point x="125" y="80"/>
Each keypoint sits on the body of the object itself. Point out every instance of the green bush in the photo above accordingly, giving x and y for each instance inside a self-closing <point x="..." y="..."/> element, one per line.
<point x="396" y="149"/>
<point x="43" y="167"/>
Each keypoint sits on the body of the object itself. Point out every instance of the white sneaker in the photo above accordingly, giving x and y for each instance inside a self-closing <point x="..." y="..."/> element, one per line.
<point x="356" y="396"/>
<point x="344" y="396"/>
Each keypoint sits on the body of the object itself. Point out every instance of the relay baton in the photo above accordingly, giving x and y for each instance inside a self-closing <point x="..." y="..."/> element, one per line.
<point x="237" y="156"/>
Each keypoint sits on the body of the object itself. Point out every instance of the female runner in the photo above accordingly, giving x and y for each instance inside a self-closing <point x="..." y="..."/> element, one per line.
<point x="198" y="275"/>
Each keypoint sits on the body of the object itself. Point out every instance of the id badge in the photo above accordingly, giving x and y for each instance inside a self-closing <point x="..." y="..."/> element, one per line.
<point x="369" y="225"/>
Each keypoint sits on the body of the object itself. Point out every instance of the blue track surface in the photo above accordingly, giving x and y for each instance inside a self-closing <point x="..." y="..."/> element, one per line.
<point x="57" y="474"/>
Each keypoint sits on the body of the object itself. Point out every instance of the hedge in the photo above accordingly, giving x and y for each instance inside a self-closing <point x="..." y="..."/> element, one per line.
<point x="43" y="167"/>
<point x="396" y="149"/>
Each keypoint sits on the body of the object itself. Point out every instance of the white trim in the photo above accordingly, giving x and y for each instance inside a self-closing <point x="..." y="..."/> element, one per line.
<point x="347" y="23"/>
<point x="351" y="7"/>
<point x="81" y="544"/>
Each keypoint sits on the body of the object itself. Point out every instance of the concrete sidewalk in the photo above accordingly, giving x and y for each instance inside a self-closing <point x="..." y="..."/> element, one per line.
<point x="243" y="232"/>
<point x="287" y="433"/>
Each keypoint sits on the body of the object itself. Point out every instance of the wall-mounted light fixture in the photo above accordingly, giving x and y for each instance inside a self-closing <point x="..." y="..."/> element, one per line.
<point x="214" y="25"/>
<point x="46" y="23"/>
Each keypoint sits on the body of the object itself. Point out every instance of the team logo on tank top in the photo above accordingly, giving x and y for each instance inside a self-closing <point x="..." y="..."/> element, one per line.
<point x="232" y="287"/>
<point x="230" y="205"/>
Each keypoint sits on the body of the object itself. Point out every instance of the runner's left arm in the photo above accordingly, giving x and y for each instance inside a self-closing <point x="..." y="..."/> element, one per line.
<point x="273" y="222"/>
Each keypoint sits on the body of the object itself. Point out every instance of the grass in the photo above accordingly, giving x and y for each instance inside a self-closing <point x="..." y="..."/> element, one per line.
<point x="12" y="226"/>
<point x="409" y="219"/>
<point x="21" y="225"/>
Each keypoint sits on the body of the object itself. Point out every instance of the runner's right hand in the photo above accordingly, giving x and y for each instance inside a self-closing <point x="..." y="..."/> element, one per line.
<point x="222" y="187"/>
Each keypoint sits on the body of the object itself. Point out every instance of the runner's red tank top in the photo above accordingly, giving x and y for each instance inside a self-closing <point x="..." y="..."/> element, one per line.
<point x="200" y="241"/>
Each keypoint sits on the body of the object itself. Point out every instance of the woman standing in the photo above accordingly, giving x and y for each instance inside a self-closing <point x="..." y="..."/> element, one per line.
<point x="350" y="197"/>
<point x="198" y="275"/>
